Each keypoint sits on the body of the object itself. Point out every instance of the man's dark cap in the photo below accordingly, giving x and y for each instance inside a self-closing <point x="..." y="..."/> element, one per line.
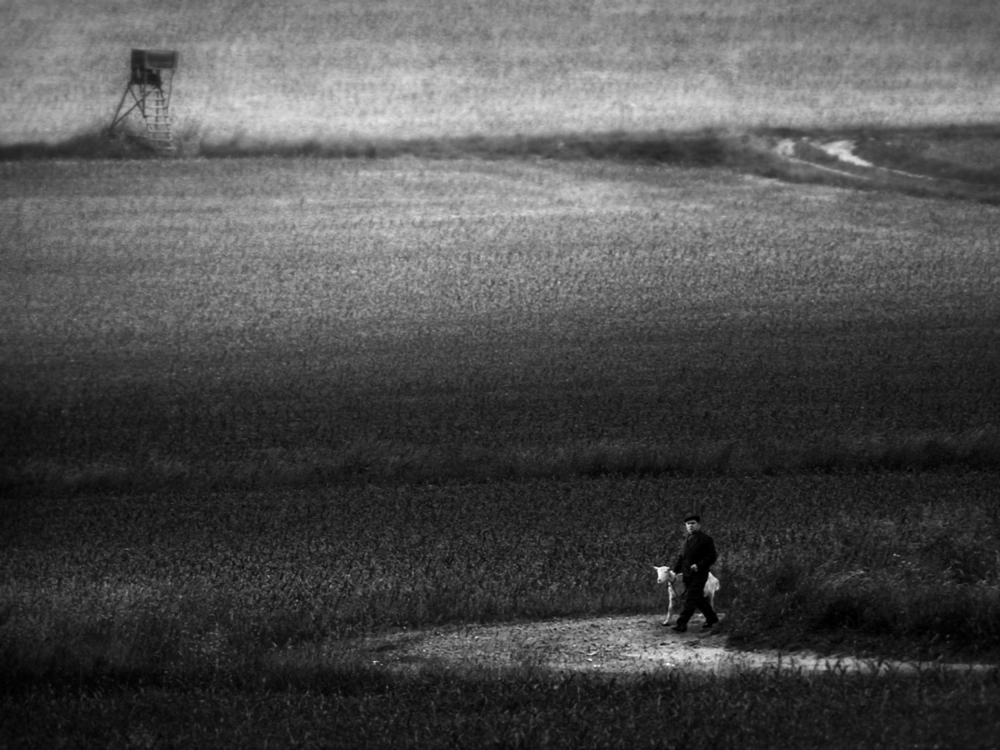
<point x="692" y="517"/>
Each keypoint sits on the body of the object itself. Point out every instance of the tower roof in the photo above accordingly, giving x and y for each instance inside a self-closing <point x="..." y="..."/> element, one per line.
<point x="155" y="59"/>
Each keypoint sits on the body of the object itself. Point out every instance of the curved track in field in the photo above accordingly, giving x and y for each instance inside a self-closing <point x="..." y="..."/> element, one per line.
<point x="633" y="644"/>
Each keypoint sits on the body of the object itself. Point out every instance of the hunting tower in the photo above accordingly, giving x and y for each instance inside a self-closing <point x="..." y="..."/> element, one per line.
<point x="150" y="83"/>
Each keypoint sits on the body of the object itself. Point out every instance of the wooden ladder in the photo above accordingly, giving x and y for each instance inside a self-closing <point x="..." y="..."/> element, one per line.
<point x="158" y="127"/>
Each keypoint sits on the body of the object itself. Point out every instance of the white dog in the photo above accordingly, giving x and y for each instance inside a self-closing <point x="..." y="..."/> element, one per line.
<point x="676" y="588"/>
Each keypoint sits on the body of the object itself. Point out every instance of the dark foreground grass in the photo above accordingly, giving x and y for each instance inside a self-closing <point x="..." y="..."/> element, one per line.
<point x="438" y="708"/>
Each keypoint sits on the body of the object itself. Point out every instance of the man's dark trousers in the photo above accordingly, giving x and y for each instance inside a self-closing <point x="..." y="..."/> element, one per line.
<point x="695" y="599"/>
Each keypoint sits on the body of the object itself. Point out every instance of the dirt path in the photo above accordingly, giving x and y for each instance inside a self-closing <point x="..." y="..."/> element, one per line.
<point x="611" y="645"/>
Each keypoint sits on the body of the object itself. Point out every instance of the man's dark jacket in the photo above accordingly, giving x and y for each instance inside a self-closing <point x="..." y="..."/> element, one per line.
<point x="699" y="549"/>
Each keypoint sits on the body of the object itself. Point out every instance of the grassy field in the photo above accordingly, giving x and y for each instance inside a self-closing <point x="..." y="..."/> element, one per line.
<point x="275" y="322"/>
<point x="389" y="69"/>
<point x="153" y="576"/>
<point x="169" y="617"/>
<point x="489" y="381"/>
<point x="255" y="407"/>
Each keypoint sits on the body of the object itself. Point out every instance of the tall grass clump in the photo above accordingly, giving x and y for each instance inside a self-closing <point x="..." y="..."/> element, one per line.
<point x="928" y="575"/>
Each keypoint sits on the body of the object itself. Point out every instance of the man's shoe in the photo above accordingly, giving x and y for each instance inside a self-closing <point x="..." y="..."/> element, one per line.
<point x="679" y="628"/>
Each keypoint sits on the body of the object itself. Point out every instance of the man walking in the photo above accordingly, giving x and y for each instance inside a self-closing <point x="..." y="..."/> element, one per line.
<point x="697" y="556"/>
